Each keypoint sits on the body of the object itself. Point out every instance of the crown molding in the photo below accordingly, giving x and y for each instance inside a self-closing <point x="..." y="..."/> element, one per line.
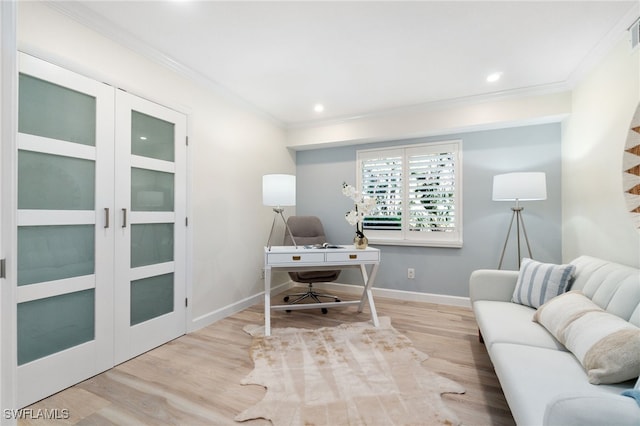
<point x="86" y="17"/>
<point x="597" y="54"/>
<point x="442" y="104"/>
<point x="604" y="46"/>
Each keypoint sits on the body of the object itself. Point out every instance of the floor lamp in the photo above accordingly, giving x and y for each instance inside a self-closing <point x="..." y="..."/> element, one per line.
<point x="518" y="187"/>
<point x="279" y="191"/>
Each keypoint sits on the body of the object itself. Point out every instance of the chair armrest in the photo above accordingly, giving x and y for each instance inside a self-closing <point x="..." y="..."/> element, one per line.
<point x="590" y="409"/>
<point x="492" y="284"/>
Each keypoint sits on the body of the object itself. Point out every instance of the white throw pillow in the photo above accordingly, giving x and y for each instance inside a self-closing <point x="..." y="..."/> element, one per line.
<point x="559" y="312"/>
<point x="539" y="282"/>
<point x="607" y="346"/>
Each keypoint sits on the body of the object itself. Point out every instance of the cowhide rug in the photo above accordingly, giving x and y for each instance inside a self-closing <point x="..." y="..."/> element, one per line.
<point x="353" y="374"/>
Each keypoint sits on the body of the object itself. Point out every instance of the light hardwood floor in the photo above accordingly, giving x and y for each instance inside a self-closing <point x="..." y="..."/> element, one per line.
<point x="195" y="379"/>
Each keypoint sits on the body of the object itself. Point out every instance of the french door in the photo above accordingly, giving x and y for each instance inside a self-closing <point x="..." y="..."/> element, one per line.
<point x="100" y="252"/>
<point x="150" y="193"/>
<point x="65" y="248"/>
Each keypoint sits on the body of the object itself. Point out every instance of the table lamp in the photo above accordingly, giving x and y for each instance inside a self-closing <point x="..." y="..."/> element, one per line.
<point x="278" y="191"/>
<point x="526" y="186"/>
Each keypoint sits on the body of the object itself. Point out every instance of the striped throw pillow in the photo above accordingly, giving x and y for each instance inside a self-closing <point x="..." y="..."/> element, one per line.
<point x="539" y="282"/>
<point x="607" y="346"/>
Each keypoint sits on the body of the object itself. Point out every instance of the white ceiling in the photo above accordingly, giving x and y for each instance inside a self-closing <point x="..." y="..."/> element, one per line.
<point x="366" y="57"/>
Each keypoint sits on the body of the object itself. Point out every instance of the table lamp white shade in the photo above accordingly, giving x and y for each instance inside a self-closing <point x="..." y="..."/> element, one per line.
<point x="526" y="186"/>
<point x="279" y="190"/>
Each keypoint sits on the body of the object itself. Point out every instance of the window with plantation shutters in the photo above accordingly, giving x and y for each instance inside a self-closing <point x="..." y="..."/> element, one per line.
<point x="382" y="179"/>
<point x="417" y="189"/>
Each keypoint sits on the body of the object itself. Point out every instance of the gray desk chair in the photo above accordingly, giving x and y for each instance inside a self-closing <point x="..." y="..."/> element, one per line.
<point x="308" y="230"/>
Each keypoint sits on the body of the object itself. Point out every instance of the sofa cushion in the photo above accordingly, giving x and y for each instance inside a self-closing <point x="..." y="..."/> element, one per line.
<point x="539" y="282"/>
<point x="613" y="287"/>
<point x="576" y="409"/>
<point x="511" y="323"/>
<point x="531" y="377"/>
<point x="606" y="345"/>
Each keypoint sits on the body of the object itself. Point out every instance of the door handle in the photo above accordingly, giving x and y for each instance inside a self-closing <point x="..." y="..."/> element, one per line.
<point x="124" y="218"/>
<point x="106" y="217"/>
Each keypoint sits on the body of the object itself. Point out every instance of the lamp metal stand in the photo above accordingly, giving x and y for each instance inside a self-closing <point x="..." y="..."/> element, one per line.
<point x="517" y="215"/>
<point x="278" y="211"/>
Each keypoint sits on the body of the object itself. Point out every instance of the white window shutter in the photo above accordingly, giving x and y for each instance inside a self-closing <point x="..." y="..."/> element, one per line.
<point x="418" y="190"/>
<point x="431" y="192"/>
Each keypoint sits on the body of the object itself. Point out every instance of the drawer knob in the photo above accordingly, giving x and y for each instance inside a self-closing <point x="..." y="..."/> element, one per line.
<point x="295" y="257"/>
<point x="353" y="256"/>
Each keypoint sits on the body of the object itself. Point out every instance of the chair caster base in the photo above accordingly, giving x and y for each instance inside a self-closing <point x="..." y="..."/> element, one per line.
<point x="301" y="296"/>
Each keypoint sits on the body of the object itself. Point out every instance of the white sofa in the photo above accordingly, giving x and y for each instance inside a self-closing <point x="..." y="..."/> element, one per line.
<point x="543" y="382"/>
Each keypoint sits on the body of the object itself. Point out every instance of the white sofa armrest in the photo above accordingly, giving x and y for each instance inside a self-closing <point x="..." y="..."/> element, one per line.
<point x="492" y="284"/>
<point x="589" y="409"/>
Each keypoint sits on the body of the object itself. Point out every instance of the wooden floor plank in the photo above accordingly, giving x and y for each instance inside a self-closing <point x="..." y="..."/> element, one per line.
<point x="195" y="379"/>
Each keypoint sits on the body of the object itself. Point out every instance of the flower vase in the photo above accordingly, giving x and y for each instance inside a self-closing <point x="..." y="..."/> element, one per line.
<point x="360" y="241"/>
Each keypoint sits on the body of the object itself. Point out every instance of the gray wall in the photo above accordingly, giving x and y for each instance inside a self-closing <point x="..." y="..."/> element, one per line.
<point x="320" y="174"/>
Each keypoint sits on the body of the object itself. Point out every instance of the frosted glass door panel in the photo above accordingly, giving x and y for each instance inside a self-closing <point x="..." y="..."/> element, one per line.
<point x="151" y="191"/>
<point x="151" y="298"/>
<point x="54" y="182"/>
<point x="151" y="243"/>
<point x="47" y="253"/>
<point x="52" y="324"/>
<point x="46" y="109"/>
<point x="152" y="137"/>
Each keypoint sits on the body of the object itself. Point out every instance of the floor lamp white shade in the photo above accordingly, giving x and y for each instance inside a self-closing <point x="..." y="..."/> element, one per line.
<point x="279" y="190"/>
<point x="526" y="186"/>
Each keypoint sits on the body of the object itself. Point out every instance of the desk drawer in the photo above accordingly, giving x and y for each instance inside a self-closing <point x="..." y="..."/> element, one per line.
<point x="354" y="256"/>
<point x="292" y="258"/>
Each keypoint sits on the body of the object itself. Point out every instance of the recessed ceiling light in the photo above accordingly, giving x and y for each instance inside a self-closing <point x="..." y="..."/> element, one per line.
<point x="144" y="138"/>
<point x="318" y="107"/>
<point x="493" y="77"/>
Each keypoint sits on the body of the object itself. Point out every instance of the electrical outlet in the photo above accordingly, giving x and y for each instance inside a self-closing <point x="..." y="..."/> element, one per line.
<point x="411" y="273"/>
<point x="262" y="273"/>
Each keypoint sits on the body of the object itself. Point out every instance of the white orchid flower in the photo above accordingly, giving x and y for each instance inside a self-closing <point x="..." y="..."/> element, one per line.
<point x="363" y="206"/>
<point x="350" y="191"/>
<point x="352" y="217"/>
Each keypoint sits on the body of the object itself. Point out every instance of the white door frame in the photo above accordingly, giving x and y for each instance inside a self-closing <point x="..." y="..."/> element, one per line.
<point x="8" y="132"/>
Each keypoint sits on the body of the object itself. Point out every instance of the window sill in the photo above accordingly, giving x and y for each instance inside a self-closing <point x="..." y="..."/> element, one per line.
<point x="410" y="243"/>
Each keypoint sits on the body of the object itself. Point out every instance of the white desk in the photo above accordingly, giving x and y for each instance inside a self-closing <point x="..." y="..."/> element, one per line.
<point x="289" y="258"/>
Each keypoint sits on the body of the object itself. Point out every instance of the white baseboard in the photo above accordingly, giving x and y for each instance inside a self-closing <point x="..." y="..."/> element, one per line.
<point x="211" y="317"/>
<point x="440" y="299"/>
